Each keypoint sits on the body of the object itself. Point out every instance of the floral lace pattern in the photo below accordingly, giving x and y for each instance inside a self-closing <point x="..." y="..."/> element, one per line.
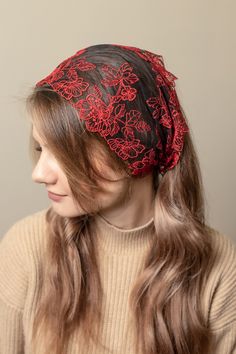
<point x="110" y="105"/>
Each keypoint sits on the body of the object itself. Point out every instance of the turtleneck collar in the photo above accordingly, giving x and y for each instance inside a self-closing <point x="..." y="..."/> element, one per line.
<point x="116" y="240"/>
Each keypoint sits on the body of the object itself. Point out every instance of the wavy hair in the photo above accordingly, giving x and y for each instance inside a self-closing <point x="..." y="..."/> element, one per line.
<point x="166" y="298"/>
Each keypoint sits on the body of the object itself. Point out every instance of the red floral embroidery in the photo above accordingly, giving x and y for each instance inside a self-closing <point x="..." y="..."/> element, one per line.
<point x="126" y="149"/>
<point x="72" y="74"/>
<point x="134" y="119"/>
<point x="160" y="110"/>
<point x="123" y="76"/>
<point x="128" y="93"/>
<point x="83" y="65"/>
<point x="71" y="89"/>
<point x="145" y="165"/>
<point x="111" y="106"/>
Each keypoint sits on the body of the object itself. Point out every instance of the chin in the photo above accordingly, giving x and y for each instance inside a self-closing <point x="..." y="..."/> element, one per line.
<point x="67" y="212"/>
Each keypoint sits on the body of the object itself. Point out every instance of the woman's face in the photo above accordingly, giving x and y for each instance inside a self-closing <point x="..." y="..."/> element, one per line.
<point x="49" y="172"/>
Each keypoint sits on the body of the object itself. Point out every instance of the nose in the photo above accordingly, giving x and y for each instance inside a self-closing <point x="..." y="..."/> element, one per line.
<point x="44" y="172"/>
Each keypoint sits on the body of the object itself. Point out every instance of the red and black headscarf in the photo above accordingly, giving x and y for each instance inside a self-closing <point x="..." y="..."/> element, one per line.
<point x="126" y="95"/>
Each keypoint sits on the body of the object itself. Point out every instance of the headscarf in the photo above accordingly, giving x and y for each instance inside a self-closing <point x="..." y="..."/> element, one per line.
<point x="126" y="95"/>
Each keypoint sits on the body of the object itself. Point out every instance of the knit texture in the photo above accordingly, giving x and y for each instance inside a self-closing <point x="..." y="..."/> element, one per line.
<point x="121" y="258"/>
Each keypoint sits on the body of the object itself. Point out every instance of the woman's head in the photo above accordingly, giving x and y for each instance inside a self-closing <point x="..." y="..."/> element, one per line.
<point x="108" y="109"/>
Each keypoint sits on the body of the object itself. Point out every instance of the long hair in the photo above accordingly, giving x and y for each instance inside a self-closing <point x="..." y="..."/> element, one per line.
<point x="166" y="298"/>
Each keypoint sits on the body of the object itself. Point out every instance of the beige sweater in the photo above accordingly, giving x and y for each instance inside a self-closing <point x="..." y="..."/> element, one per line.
<point x="121" y="256"/>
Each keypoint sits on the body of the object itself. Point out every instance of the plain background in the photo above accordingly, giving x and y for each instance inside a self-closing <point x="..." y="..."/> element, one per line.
<point x="197" y="42"/>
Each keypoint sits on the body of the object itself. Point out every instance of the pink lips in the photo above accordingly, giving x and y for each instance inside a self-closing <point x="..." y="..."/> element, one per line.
<point x="55" y="197"/>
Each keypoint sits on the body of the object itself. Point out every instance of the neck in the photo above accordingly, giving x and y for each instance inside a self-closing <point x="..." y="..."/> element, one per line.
<point x="117" y="240"/>
<point x="136" y="210"/>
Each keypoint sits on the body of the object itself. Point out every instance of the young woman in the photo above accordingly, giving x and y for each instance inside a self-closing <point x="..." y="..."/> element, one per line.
<point x="123" y="260"/>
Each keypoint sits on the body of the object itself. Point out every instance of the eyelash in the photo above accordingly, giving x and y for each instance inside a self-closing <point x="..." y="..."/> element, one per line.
<point x="38" y="148"/>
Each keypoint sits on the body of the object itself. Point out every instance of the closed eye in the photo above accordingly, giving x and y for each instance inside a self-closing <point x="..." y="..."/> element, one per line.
<point x="38" y="148"/>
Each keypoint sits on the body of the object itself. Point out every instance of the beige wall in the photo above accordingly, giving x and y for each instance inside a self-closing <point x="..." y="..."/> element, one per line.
<point x="197" y="41"/>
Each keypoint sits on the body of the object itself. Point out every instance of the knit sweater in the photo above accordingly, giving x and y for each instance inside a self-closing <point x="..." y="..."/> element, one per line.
<point x="121" y="257"/>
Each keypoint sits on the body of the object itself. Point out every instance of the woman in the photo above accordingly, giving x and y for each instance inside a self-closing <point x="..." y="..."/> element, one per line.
<point x="122" y="261"/>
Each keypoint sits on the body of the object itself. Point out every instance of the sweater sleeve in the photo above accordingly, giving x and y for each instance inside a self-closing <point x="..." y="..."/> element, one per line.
<point x="11" y="330"/>
<point x="223" y="306"/>
<point x="13" y="289"/>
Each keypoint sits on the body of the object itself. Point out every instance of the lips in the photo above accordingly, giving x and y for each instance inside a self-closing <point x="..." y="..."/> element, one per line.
<point x="59" y="195"/>
<point x="55" y="197"/>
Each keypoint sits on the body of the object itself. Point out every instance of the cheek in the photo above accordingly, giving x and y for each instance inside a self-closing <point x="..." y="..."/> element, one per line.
<point x="64" y="182"/>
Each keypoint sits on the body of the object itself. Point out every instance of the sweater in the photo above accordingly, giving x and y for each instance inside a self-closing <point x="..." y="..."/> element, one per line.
<point x="121" y="258"/>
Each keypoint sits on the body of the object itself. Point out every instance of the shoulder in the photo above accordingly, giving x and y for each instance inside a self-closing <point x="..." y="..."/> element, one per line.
<point x="24" y="231"/>
<point x="221" y="285"/>
<point x="224" y="249"/>
<point x="26" y="222"/>
<point x="18" y="247"/>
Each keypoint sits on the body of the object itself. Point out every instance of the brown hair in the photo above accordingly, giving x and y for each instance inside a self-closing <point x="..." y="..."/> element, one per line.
<point x="166" y="298"/>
